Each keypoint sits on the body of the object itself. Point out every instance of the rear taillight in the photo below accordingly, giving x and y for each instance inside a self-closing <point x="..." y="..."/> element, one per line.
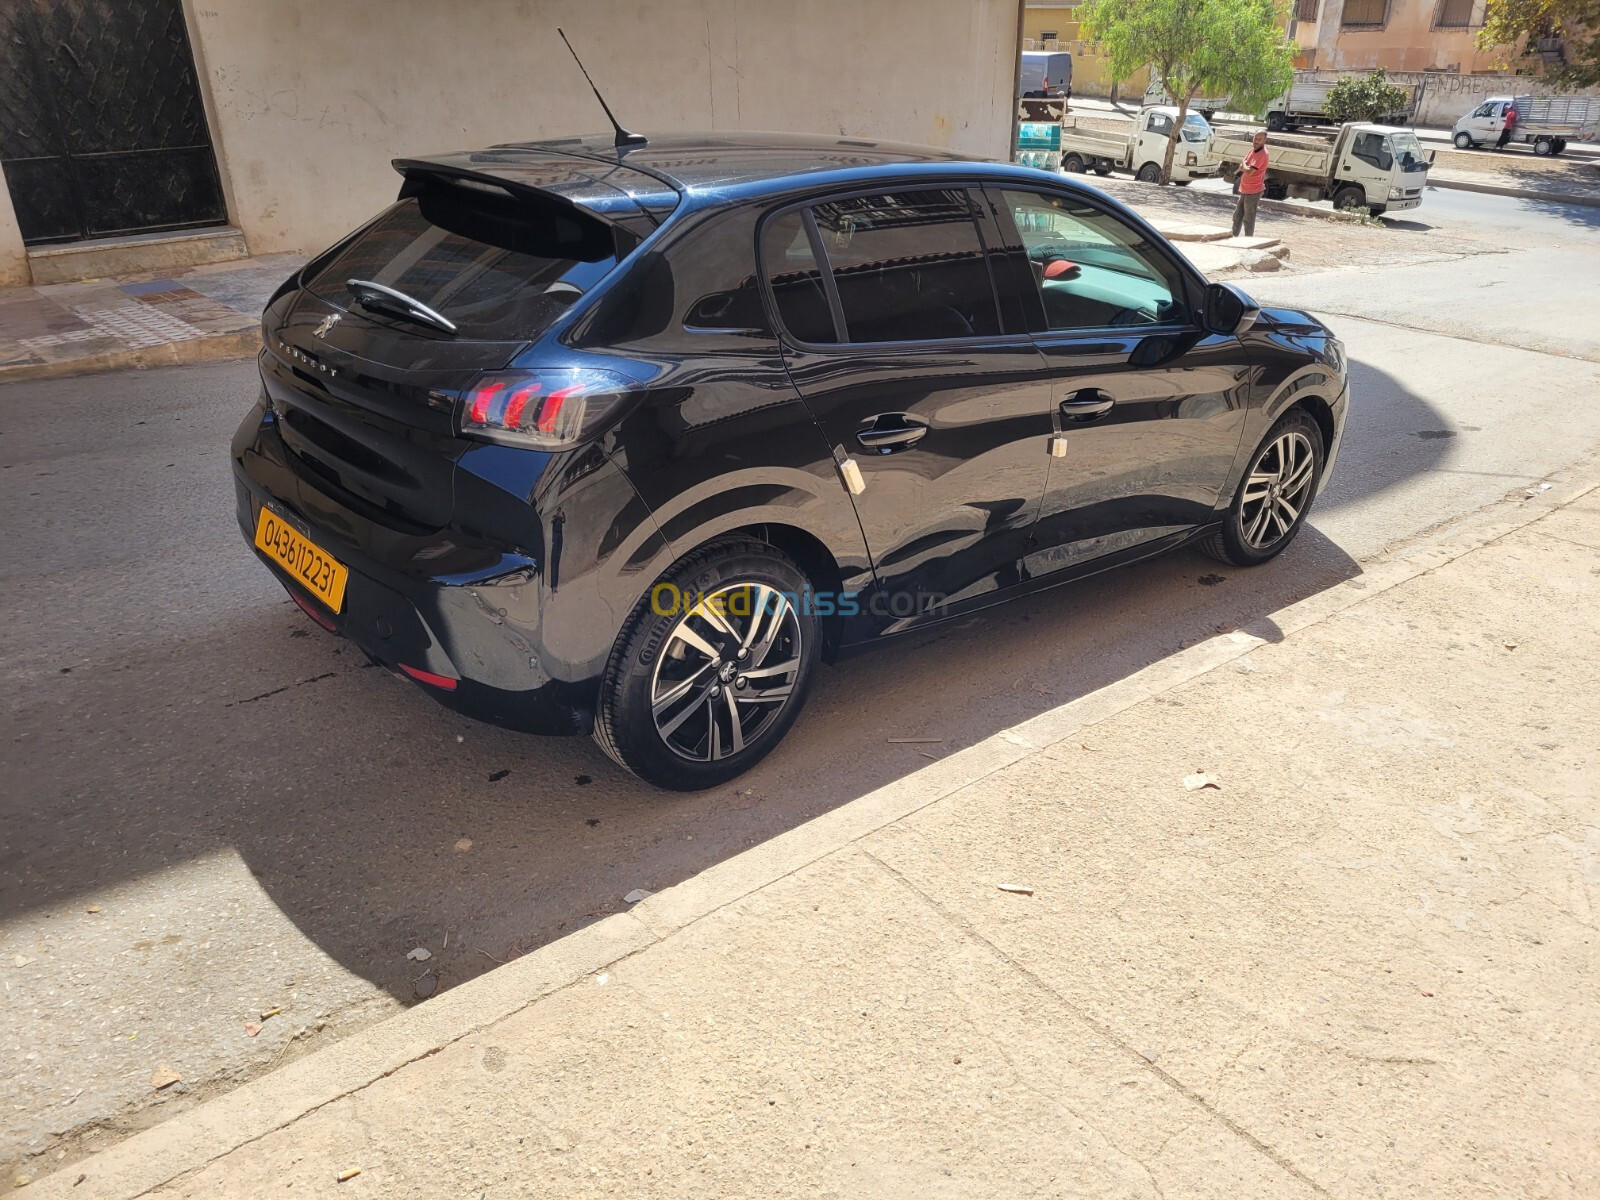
<point x="545" y="409"/>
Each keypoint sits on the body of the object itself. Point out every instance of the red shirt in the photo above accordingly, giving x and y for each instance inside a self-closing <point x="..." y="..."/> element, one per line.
<point x="1253" y="177"/>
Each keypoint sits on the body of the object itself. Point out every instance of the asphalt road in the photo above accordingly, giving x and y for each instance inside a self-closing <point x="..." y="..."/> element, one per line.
<point x="1519" y="222"/>
<point x="214" y="810"/>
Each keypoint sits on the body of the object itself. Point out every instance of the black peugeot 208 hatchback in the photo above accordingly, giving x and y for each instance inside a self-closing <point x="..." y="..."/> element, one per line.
<point x="583" y="438"/>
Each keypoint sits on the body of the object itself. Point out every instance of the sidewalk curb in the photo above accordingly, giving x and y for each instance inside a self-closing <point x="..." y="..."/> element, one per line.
<point x="194" y="1139"/>
<point x="1495" y="189"/>
<point x="216" y="348"/>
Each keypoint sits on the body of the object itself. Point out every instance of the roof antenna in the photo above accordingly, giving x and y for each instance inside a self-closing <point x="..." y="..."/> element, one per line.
<point x="624" y="138"/>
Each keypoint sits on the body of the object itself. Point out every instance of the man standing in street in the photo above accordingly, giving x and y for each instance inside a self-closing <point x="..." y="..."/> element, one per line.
<point x="1510" y="127"/>
<point x="1252" y="182"/>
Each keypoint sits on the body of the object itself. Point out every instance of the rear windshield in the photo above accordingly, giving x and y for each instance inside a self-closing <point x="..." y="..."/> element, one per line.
<point x="501" y="268"/>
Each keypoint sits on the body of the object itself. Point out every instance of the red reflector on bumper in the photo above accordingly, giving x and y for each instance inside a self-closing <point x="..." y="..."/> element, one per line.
<point x="320" y="618"/>
<point x="428" y="677"/>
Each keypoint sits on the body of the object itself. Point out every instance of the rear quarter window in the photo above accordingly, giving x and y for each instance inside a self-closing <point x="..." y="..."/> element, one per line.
<point x="500" y="267"/>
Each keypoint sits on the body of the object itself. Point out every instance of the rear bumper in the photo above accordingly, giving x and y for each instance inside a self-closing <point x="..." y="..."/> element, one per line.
<point x="478" y="627"/>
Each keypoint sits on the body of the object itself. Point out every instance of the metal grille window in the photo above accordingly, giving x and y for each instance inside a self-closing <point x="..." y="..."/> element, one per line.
<point x="102" y="130"/>
<point x="1370" y="14"/>
<point x="1306" y="10"/>
<point x="1454" y="14"/>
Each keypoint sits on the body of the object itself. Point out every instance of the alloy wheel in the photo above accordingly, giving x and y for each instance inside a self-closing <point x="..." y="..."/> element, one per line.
<point x="1277" y="489"/>
<point x="726" y="671"/>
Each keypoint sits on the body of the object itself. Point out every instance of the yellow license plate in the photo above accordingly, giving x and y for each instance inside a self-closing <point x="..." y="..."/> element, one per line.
<point x="312" y="567"/>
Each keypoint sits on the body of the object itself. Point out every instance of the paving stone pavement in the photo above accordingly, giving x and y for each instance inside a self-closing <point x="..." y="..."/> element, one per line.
<point x="95" y="323"/>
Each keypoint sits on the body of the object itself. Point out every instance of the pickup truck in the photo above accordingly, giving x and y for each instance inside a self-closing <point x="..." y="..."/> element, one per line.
<point x="1548" y="124"/>
<point x="1376" y="167"/>
<point x="1142" y="149"/>
<point x="1303" y="104"/>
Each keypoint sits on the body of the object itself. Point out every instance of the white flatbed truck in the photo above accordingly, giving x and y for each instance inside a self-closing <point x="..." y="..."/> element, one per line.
<point x="1376" y="167"/>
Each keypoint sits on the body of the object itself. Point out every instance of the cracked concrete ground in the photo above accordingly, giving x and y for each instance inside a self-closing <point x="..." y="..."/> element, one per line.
<point x="1362" y="966"/>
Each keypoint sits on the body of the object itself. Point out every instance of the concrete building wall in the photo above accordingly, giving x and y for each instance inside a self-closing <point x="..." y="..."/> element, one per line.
<point x="13" y="257"/>
<point x="311" y="100"/>
<point x="1455" y="76"/>
<point x="1091" y="73"/>
<point x="1409" y="39"/>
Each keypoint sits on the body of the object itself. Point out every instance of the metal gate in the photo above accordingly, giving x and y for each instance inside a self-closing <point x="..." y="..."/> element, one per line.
<point x="102" y="130"/>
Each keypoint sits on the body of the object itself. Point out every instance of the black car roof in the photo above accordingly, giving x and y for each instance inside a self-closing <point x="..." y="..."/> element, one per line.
<point x="704" y="168"/>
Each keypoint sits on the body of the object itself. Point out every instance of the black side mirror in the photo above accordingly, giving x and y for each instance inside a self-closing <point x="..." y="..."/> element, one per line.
<point x="1228" y="310"/>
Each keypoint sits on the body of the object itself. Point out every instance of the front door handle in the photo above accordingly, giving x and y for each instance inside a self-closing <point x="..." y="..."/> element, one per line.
<point x="1086" y="405"/>
<point x="888" y="432"/>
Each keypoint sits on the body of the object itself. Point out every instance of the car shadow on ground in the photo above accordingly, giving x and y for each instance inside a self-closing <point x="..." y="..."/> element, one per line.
<point x="378" y="821"/>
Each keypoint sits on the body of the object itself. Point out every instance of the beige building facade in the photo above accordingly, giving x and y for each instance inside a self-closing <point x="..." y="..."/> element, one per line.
<point x="1430" y="44"/>
<point x="1399" y="35"/>
<point x="308" y="101"/>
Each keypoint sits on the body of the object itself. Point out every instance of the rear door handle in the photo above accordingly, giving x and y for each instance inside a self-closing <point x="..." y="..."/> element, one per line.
<point x="889" y="432"/>
<point x="1086" y="405"/>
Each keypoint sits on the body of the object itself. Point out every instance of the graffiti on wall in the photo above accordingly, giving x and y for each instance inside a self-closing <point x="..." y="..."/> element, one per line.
<point x="1447" y="95"/>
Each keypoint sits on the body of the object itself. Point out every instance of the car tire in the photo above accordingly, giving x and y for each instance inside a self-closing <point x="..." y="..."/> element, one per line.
<point x="1256" y="528"/>
<point x="1072" y="164"/>
<point x="1543" y="147"/>
<point x="662" y="650"/>
<point x="1148" y="173"/>
<point x="1559" y="146"/>
<point x="1348" y="197"/>
<point x="1276" y="122"/>
<point x="1102" y="168"/>
<point x="1464" y="141"/>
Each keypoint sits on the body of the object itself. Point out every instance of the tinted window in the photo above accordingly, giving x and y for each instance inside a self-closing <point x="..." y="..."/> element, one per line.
<point x="1092" y="270"/>
<point x="499" y="268"/>
<point x="909" y="266"/>
<point x="796" y="279"/>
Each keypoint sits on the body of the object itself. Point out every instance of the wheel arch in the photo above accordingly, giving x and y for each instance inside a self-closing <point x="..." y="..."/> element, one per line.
<point x="1321" y="412"/>
<point x="808" y="552"/>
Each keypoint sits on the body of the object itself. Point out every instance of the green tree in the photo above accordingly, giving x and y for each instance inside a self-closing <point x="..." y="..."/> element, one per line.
<point x="1575" y="22"/>
<point x="1233" y="48"/>
<point x="1368" y="98"/>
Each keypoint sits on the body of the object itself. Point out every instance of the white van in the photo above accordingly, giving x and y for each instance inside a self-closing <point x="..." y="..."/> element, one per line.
<point x="1045" y="75"/>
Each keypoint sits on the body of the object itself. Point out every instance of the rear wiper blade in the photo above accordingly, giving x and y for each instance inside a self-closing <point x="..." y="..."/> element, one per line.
<point x="379" y="296"/>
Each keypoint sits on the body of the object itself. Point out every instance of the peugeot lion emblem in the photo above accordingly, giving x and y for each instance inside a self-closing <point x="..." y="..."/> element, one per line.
<point x="327" y="323"/>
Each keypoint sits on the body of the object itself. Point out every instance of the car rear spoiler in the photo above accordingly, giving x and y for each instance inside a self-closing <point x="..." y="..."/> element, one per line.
<point x="583" y="194"/>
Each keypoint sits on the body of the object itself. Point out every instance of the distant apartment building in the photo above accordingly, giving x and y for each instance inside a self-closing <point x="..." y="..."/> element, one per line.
<point x="1400" y="35"/>
<point x="1431" y="43"/>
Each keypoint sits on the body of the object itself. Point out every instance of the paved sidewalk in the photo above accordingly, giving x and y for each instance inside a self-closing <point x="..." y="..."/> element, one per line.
<point x="197" y="313"/>
<point x="1363" y="963"/>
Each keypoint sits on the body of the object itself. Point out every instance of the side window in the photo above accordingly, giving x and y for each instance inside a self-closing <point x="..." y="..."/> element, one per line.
<point x="1092" y="270"/>
<point x="1369" y="148"/>
<point x="1486" y="109"/>
<point x="796" y="279"/>
<point x="908" y="266"/>
<point x="1160" y="123"/>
